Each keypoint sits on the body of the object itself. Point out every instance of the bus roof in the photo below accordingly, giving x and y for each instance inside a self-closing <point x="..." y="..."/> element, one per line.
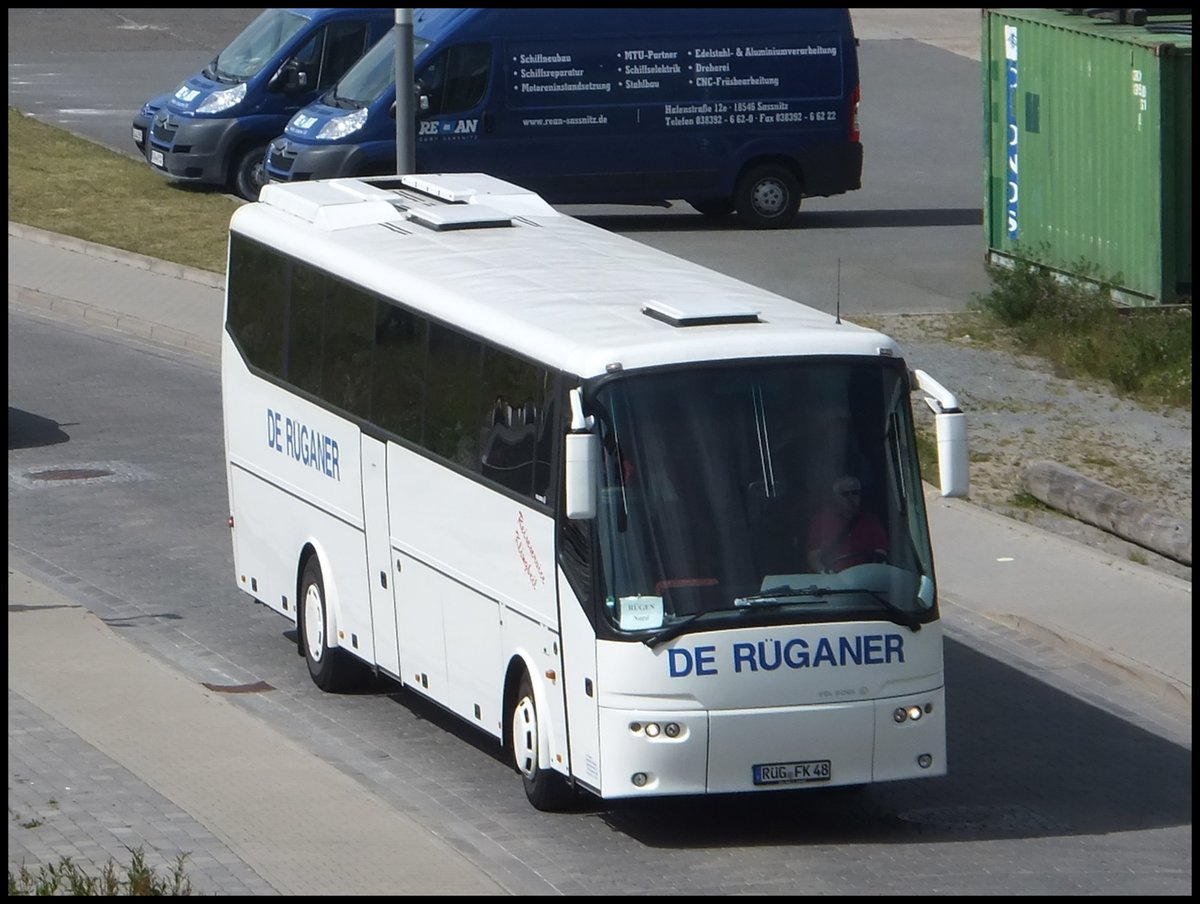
<point x="496" y="260"/>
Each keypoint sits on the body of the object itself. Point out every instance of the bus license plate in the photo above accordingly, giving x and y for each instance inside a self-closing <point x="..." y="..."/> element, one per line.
<point x="792" y="773"/>
<point x="156" y="158"/>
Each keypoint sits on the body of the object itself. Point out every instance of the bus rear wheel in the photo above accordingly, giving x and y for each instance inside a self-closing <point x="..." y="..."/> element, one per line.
<point x="332" y="668"/>
<point x="545" y="788"/>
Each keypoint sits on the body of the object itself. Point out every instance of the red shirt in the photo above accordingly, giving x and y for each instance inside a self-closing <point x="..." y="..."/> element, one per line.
<point x="857" y="544"/>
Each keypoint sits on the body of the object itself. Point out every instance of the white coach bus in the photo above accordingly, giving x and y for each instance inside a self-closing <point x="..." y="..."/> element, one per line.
<point x="580" y="492"/>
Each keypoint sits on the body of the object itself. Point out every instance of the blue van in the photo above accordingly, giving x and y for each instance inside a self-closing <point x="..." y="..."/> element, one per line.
<point x="729" y="109"/>
<point x="215" y="126"/>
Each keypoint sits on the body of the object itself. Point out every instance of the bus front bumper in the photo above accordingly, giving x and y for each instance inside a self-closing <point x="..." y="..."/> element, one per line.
<point x="652" y="753"/>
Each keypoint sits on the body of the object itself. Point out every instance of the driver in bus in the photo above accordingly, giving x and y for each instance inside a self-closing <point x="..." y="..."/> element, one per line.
<point x="843" y="533"/>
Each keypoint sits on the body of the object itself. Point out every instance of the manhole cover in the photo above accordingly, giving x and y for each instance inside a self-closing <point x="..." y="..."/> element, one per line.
<point x="75" y="473"/>
<point x="68" y="474"/>
<point x="256" y="687"/>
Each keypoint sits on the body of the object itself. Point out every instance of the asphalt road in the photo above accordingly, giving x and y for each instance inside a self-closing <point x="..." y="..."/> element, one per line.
<point x="1059" y="782"/>
<point x="1052" y="789"/>
<point x="911" y="240"/>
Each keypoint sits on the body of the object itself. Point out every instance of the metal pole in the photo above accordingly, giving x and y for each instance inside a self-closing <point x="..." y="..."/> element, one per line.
<point x="406" y="155"/>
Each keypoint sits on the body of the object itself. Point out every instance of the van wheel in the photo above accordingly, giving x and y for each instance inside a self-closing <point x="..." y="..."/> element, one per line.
<point x="250" y="173"/>
<point x="713" y="207"/>
<point x="546" y="789"/>
<point x="331" y="668"/>
<point x="768" y="197"/>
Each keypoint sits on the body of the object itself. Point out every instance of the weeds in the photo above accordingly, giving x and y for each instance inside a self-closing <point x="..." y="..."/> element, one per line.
<point x="66" y="878"/>
<point x="1145" y="353"/>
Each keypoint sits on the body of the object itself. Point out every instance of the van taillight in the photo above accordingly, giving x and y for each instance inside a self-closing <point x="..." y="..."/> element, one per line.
<point x="854" y="99"/>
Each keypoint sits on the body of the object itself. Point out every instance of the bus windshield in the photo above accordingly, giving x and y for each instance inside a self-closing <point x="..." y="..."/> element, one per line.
<point x="783" y="486"/>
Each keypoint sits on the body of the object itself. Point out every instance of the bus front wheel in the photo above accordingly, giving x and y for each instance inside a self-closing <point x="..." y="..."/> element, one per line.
<point x="545" y="788"/>
<point x="331" y="668"/>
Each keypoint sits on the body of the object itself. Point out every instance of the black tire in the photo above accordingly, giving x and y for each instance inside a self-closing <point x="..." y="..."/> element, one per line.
<point x="332" y="668"/>
<point x="546" y="789"/>
<point x="713" y="207"/>
<point x="249" y="173"/>
<point x="768" y="197"/>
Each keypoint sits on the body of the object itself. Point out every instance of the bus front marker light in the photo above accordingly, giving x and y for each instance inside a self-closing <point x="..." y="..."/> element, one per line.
<point x="900" y="715"/>
<point x="652" y="729"/>
<point x="671" y="729"/>
<point x="925" y="760"/>
<point x="639" y="779"/>
<point x="914" y="713"/>
<point x="635" y="727"/>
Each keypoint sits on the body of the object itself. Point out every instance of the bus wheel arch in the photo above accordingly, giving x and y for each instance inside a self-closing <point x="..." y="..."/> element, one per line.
<point x="768" y="193"/>
<point x="331" y="667"/>
<point x="527" y="742"/>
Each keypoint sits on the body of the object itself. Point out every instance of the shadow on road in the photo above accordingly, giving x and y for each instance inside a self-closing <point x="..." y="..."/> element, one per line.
<point x="683" y="219"/>
<point x="28" y="431"/>
<point x="1021" y="766"/>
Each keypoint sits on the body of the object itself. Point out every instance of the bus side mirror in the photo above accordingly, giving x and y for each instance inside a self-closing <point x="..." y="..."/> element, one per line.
<point x="582" y="464"/>
<point x="950" y="424"/>
<point x="953" y="468"/>
<point x="582" y="461"/>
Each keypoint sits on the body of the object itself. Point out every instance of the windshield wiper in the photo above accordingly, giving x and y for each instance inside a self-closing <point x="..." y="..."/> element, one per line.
<point x="786" y="594"/>
<point x="674" y="630"/>
<point x="782" y="596"/>
<point x="895" y="614"/>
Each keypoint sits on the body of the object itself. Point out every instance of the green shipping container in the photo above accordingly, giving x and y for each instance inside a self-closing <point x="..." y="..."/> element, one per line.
<point x="1088" y="145"/>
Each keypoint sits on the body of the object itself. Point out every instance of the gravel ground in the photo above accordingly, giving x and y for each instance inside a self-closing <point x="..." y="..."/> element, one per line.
<point x="1018" y="411"/>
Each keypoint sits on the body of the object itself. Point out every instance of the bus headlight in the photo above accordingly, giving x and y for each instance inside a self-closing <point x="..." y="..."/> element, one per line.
<point x="910" y="713"/>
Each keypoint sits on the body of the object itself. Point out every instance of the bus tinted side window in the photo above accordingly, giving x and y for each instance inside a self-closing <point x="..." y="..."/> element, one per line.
<point x="512" y="413"/>
<point x="306" y="329"/>
<point x="349" y="339"/>
<point x="475" y="405"/>
<point x="398" y="372"/>
<point x="452" y="396"/>
<point x="258" y="293"/>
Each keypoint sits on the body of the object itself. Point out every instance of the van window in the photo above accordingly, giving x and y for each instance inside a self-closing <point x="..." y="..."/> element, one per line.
<point x="327" y="55"/>
<point x="457" y="80"/>
<point x="374" y="73"/>
<point x="258" y="44"/>
<point x="343" y="47"/>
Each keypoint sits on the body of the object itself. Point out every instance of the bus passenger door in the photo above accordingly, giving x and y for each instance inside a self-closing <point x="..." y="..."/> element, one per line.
<point x="379" y="554"/>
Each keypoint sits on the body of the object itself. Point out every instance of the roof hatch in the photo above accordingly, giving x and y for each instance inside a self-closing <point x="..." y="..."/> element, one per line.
<point x="459" y="216"/>
<point x="699" y="313"/>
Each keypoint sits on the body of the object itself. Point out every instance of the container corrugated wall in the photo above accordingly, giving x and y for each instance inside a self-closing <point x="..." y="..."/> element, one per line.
<point x="1088" y="156"/>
